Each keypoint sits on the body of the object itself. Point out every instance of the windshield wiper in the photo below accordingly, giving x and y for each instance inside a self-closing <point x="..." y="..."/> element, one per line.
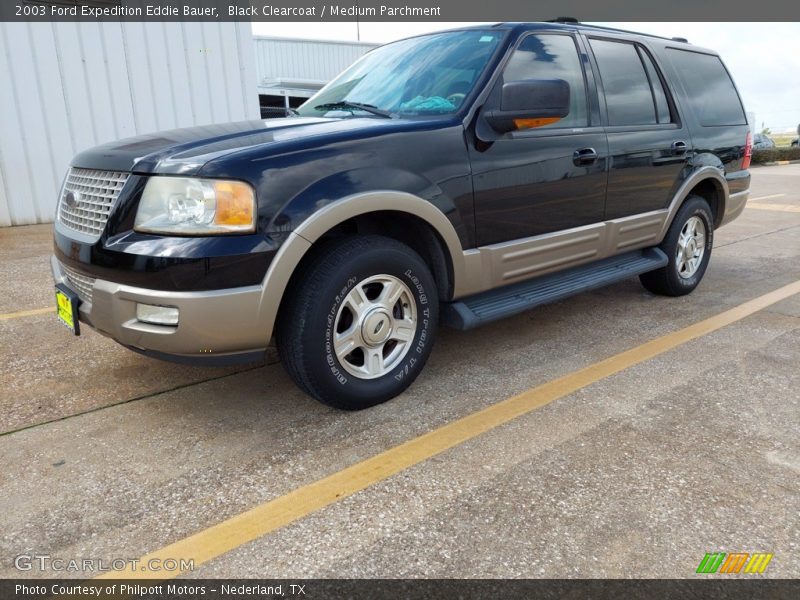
<point x="347" y="105"/>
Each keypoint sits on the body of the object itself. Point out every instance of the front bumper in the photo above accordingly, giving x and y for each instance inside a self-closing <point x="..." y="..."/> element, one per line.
<point x="215" y="326"/>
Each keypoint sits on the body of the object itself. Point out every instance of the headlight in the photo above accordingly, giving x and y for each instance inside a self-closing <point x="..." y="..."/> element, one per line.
<point x="192" y="206"/>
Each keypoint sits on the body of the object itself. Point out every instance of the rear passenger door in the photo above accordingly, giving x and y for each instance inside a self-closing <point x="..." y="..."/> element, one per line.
<point x="648" y="143"/>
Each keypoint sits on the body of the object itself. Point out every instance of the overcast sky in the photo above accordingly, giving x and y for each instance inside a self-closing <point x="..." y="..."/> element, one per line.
<point x="763" y="57"/>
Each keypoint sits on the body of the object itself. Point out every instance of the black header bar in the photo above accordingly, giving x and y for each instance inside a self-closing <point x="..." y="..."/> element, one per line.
<point x="706" y="587"/>
<point x="398" y="10"/>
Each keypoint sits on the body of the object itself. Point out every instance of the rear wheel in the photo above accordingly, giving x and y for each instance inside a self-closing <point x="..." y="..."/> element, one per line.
<point x="688" y="246"/>
<point x="359" y="326"/>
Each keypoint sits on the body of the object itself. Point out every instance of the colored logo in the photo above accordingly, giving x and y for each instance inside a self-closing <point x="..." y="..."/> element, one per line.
<point x="735" y="562"/>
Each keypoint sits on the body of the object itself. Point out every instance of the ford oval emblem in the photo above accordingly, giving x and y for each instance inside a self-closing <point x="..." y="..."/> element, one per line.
<point x="71" y="198"/>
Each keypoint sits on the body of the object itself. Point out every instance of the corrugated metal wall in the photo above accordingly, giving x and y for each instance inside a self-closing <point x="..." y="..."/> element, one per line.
<point x="65" y="87"/>
<point x="309" y="60"/>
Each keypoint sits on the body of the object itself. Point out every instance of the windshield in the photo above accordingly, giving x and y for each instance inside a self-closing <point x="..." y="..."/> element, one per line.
<point x="425" y="75"/>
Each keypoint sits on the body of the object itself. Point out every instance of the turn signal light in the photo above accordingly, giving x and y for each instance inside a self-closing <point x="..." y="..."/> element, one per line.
<point x="234" y="203"/>
<point x="533" y="123"/>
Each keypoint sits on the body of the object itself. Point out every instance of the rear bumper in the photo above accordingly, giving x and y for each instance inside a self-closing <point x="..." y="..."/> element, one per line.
<point x="734" y="206"/>
<point x="215" y="326"/>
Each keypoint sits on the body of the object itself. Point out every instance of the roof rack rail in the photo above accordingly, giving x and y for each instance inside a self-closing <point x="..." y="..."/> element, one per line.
<point x="564" y="20"/>
<point x="589" y="26"/>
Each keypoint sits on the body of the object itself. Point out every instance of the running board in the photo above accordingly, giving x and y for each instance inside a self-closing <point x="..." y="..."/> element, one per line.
<point x="518" y="297"/>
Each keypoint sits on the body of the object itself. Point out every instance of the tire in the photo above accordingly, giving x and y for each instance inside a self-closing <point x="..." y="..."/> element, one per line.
<point x="342" y="336"/>
<point x="682" y="275"/>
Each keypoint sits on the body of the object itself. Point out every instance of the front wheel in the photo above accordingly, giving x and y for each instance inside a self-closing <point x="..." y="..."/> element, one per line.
<point x="359" y="323"/>
<point x="688" y="246"/>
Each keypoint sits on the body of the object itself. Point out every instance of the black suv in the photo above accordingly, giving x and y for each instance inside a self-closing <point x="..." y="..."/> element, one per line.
<point x="457" y="177"/>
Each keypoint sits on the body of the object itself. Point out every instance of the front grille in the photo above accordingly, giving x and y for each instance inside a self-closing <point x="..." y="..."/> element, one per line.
<point x="79" y="282"/>
<point x="87" y="199"/>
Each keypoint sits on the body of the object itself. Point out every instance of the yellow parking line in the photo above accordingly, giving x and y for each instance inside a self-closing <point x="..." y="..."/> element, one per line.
<point x="767" y="197"/>
<point x="265" y="518"/>
<point x="27" y="313"/>
<point x="778" y="207"/>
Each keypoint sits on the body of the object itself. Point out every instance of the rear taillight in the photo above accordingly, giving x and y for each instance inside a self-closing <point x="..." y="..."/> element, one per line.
<point x="748" y="151"/>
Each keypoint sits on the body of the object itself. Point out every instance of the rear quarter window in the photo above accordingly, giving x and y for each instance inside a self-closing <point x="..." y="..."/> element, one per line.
<point x="709" y="88"/>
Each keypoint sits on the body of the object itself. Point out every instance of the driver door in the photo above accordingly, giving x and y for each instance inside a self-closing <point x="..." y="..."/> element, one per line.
<point x="549" y="178"/>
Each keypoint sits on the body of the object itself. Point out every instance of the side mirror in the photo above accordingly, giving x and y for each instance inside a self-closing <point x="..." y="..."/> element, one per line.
<point x="530" y="103"/>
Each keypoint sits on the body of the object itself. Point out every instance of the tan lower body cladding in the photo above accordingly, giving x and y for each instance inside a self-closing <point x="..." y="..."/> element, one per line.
<point x="508" y="262"/>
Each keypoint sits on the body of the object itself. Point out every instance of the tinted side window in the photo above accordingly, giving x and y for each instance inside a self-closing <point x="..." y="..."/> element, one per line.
<point x="709" y="88"/>
<point x="627" y="89"/>
<point x="550" y="56"/>
<point x="659" y="95"/>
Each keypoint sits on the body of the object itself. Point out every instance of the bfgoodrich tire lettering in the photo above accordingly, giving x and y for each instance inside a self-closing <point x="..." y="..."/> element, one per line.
<point x="343" y="310"/>
<point x="693" y="225"/>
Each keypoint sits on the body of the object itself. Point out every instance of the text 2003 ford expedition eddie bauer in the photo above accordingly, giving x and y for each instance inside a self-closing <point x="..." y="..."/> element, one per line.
<point x="454" y="178"/>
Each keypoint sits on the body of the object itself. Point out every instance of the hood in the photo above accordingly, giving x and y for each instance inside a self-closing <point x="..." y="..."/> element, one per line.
<point x="185" y="151"/>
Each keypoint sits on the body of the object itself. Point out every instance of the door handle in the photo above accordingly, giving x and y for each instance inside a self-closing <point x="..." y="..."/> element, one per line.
<point x="678" y="148"/>
<point x="584" y="156"/>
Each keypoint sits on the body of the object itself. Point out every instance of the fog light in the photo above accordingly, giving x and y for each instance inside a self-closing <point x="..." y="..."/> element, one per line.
<point x="157" y="315"/>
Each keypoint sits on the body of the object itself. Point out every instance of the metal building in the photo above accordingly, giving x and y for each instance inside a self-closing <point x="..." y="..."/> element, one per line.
<point x="291" y="70"/>
<point x="65" y="87"/>
<point x="69" y="86"/>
